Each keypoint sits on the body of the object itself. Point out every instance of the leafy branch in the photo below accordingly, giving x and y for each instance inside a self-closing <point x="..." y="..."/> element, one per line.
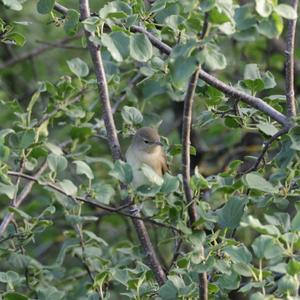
<point x="114" y="142"/>
<point x="37" y="51"/>
<point x="87" y="199"/>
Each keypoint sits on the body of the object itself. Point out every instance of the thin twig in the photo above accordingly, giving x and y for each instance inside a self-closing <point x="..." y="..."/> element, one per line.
<point x="114" y="145"/>
<point x="117" y="210"/>
<point x="131" y="83"/>
<point x="176" y="254"/>
<point x="84" y="260"/>
<point x="290" y="65"/>
<point x="186" y="170"/>
<point x="35" y="52"/>
<point x="59" y="45"/>
<point x="266" y="146"/>
<point x="186" y="129"/>
<point x="186" y="163"/>
<point x="59" y="108"/>
<point x="22" y="196"/>
<point x="205" y="26"/>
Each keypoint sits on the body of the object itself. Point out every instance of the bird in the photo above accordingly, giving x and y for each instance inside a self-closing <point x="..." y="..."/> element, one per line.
<point x="146" y="148"/>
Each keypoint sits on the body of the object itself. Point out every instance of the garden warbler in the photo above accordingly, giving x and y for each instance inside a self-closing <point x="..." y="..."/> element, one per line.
<point x="146" y="148"/>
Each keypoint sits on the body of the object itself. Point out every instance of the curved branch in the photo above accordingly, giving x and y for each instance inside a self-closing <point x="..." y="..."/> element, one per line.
<point x="113" y="141"/>
<point x="266" y="146"/>
<point x="117" y="210"/>
<point x="289" y="65"/>
<point x="239" y="95"/>
<point x="37" y="51"/>
<point x="186" y="129"/>
<point x="220" y="85"/>
<point x="22" y="196"/>
<point x="186" y="169"/>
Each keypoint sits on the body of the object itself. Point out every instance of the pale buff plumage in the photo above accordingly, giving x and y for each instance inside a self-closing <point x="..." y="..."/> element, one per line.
<point x="146" y="148"/>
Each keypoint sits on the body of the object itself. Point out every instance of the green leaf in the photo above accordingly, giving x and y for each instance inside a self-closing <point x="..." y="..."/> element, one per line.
<point x="265" y="247"/>
<point x="229" y="281"/>
<point x="267" y="128"/>
<point x="71" y="22"/>
<point x="257" y="296"/>
<point x="230" y="215"/>
<point x="23" y="139"/>
<point x="115" y="9"/>
<point x="14" y="296"/>
<point x="293" y="267"/>
<point x="74" y="219"/>
<point x="117" y="43"/>
<point x="175" y="22"/>
<point x="83" y="168"/>
<point x="131" y="115"/>
<point x="122" y="171"/>
<point x="168" y="291"/>
<point x="244" y="17"/>
<point x="151" y="175"/>
<point x="259" y="227"/>
<point x="94" y="237"/>
<point x="57" y="163"/>
<point x="239" y="254"/>
<point x="140" y="47"/>
<point x="103" y="193"/>
<point x="294" y="135"/>
<point x="78" y="67"/>
<point x="147" y="190"/>
<point x="8" y="190"/>
<point x="69" y="187"/>
<point x="264" y="7"/>
<point x="49" y="293"/>
<point x="286" y="11"/>
<point x="20" y="213"/>
<point x="17" y="38"/>
<point x="269" y="80"/>
<point x="257" y="182"/>
<point x="252" y="72"/>
<point x="288" y="285"/>
<point x="213" y="58"/>
<point x="170" y="184"/>
<point x="45" y="6"/>
<point x="296" y="222"/>
<point x="91" y="24"/>
<point x="271" y="27"/>
<point x="13" y="4"/>
<point x="5" y="132"/>
<point x="181" y="71"/>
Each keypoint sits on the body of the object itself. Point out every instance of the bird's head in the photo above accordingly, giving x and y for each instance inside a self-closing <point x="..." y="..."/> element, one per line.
<point x="147" y="139"/>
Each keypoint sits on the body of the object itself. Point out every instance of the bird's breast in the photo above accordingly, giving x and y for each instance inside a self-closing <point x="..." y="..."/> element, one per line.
<point x="137" y="158"/>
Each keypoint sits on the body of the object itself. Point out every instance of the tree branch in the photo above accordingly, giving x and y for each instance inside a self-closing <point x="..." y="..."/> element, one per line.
<point x="117" y="210"/>
<point x="22" y="196"/>
<point x="209" y="79"/>
<point x="220" y="85"/>
<point x="239" y="95"/>
<point x="186" y="170"/>
<point x="36" y="52"/>
<point x="266" y="146"/>
<point x="186" y="129"/>
<point x="152" y="259"/>
<point x="290" y="64"/>
<point x="59" y="108"/>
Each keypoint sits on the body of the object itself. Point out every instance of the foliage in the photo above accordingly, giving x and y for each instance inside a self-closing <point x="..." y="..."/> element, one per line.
<point x="52" y="129"/>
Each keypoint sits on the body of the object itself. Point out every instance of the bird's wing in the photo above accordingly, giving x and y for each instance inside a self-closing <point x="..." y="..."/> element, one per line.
<point x="164" y="163"/>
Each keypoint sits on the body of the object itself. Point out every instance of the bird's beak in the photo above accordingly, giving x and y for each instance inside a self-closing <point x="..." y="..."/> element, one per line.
<point x="158" y="143"/>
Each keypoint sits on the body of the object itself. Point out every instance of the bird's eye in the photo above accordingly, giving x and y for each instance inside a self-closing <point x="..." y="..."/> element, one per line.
<point x="146" y="141"/>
